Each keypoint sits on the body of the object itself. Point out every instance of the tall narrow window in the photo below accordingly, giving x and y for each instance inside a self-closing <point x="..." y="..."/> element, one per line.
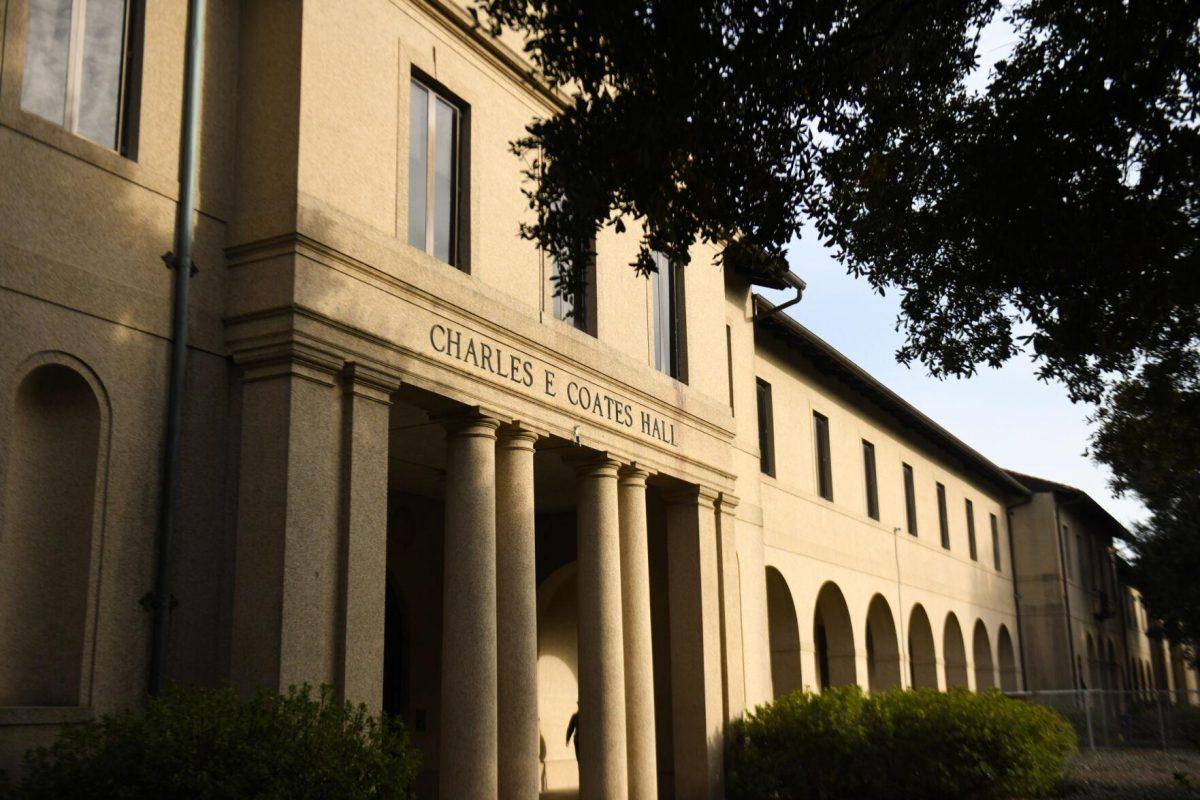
<point x="669" y="322"/>
<point x="943" y="517"/>
<point x="729" y="365"/>
<point x="971" y="531"/>
<point x="78" y="63"/>
<point x="995" y="541"/>
<point x="579" y="310"/>
<point x="910" y="500"/>
<point x="766" y="429"/>
<point x="1069" y="563"/>
<point x="824" y="467"/>
<point x="871" y="480"/>
<point x="434" y="124"/>
<point x="1079" y="557"/>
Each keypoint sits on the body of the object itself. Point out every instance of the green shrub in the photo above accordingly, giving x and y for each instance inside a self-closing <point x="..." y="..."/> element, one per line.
<point x="209" y="745"/>
<point x="906" y="745"/>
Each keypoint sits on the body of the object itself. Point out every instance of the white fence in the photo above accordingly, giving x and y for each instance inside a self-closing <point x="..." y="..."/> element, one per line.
<point x="1116" y="718"/>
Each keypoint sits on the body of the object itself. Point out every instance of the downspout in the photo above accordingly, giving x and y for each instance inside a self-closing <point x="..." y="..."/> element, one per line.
<point x="181" y="262"/>
<point x="1012" y="559"/>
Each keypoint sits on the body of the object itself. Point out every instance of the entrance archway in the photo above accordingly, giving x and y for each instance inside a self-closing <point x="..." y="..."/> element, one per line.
<point x="784" y="634"/>
<point x="955" y="654"/>
<point x="1007" y="661"/>
<point x="883" y="649"/>
<point x="981" y="649"/>
<point x="922" y="657"/>
<point x="834" y="638"/>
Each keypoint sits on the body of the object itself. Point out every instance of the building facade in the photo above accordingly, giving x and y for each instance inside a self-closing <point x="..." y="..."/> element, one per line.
<point x="409" y="470"/>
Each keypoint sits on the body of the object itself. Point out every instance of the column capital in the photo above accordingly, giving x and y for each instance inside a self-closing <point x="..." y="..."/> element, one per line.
<point x="369" y="383"/>
<point x="633" y="474"/>
<point x="692" y="494"/>
<point x="517" y="435"/>
<point x="473" y="421"/>
<point x="289" y="359"/>
<point x="592" y="462"/>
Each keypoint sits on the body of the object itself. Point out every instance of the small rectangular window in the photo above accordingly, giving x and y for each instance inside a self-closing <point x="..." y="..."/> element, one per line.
<point x="824" y="467"/>
<point x="670" y="352"/>
<point x="766" y="426"/>
<point x="995" y="541"/>
<point x="1068" y="563"/>
<point x="729" y="365"/>
<point x="580" y="310"/>
<point x="971" y="546"/>
<point x="1079" y="557"/>
<point x="910" y="500"/>
<point x="434" y="188"/>
<point x="871" y="481"/>
<point x="80" y="56"/>
<point x="943" y="517"/>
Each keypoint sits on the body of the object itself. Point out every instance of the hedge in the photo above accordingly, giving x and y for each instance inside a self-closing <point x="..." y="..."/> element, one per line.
<point x="210" y="745"/>
<point x="903" y="745"/>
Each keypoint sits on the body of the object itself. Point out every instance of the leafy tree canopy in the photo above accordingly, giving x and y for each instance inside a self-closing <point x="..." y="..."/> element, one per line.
<point x="1052" y="207"/>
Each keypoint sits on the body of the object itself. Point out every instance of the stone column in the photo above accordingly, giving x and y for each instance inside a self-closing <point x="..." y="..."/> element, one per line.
<point x="367" y="395"/>
<point x="639" y="656"/>
<point x="603" y="767"/>
<point x="286" y="594"/>
<point x="755" y="634"/>
<point x="730" y="592"/>
<point x="468" y="748"/>
<point x="696" y="691"/>
<point x="516" y="602"/>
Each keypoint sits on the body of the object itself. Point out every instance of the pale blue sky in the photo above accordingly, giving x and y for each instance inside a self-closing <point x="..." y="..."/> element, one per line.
<point x="1006" y="414"/>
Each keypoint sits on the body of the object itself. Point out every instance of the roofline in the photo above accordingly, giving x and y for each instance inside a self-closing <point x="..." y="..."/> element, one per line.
<point x="1073" y="493"/>
<point x="801" y="338"/>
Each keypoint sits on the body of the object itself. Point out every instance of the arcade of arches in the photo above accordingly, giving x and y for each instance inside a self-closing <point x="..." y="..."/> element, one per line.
<point x="879" y="663"/>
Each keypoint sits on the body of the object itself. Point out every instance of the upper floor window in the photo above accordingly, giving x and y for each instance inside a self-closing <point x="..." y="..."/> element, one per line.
<point x="943" y="518"/>
<point x="670" y="353"/>
<point x="872" y="482"/>
<point x="910" y="500"/>
<point x="78" y="58"/>
<point x="995" y="541"/>
<point x="766" y="425"/>
<point x="580" y="310"/>
<point x="434" y="173"/>
<point x="1068" y="563"/>
<point x="824" y="467"/>
<point x="971" y="531"/>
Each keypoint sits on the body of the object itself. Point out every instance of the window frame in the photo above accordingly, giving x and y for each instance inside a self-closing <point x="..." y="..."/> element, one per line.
<point x="943" y="516"/>
<point x="872" y="479"/>
<point x="972" y="544"/>
<point x="124" y="150"/>
<point x="766" y="427"/>
<point x="458" y="236"/>
<point x="910" y="498"/>
<point x="668" y="277"/>
<point x="995" y="522"/>
<point x="823" y="456"/>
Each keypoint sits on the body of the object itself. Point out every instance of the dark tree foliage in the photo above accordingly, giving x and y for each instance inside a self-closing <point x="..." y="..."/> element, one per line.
<point x="1150" y="437"/>
<point x="1055" y="210"/>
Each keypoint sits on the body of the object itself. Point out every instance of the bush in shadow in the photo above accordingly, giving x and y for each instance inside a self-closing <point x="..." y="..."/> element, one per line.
<point x="207" y="744"/>
<point x="907" y="745"/>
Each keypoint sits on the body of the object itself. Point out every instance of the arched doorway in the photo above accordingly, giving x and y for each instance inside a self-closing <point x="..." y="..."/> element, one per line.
<point x="1007" y="661"/>
<point x="834" y="638"/>
<point x="784" y="634"/>
<point x="883" y="650"/>
<point x="955" y="654"/>
<point x="981" y="649"/>
<point x="558" y="674"/>
<point x="922" y="657"/>
<point x="46" y="548"/>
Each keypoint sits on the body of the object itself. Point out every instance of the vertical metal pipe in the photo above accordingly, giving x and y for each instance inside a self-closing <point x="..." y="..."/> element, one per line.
<point x="183" y="265"/>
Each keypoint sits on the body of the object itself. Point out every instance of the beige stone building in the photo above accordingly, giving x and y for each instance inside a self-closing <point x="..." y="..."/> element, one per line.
<point x="411" y="472"/>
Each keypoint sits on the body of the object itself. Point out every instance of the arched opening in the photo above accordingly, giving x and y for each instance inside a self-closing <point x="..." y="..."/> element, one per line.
<point x="558" y="673"/>
<point x="981" y="649"/>
<point x="883" y="650"/>
<point x="46" y="549"/>
<point x="784" y="634"/>
<point x="834" y="638"/>
<point x="922" y="658"/>
<point x="1114" y="675"/>
<point x="955" y="654"/>
<point x="1007" y="661"/>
